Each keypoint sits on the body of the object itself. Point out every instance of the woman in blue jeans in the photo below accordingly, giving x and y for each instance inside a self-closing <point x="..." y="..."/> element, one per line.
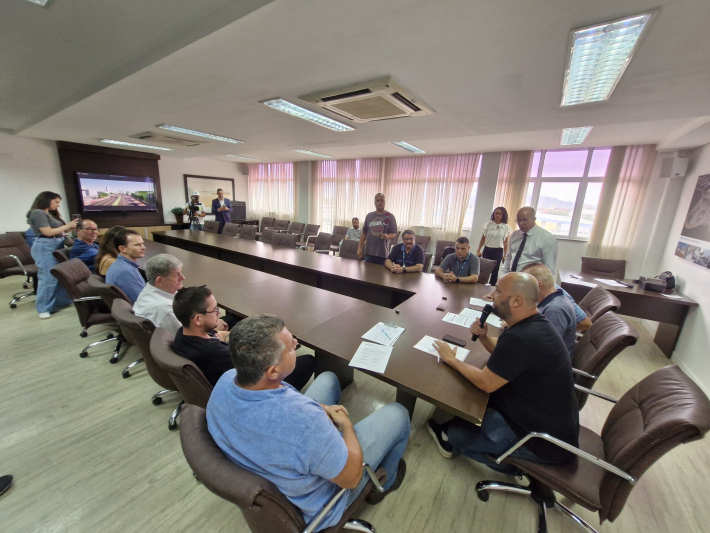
<point x="49" y="230"/>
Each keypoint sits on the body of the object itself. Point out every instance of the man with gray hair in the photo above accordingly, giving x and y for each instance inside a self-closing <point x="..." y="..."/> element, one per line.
<point x="303" y="443"/>
<point x="553" y="305"/>
<point x="155" y="301"/>
<point x="529" y="379"/>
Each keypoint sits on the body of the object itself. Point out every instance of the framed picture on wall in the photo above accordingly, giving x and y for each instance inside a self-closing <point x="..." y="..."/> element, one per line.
<point x="206" y="187"/>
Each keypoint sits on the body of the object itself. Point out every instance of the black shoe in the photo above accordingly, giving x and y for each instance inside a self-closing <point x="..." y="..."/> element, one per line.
<point x="439" y="435"/>
<point x="5" y="482"/>
<point x="376" y="497"/>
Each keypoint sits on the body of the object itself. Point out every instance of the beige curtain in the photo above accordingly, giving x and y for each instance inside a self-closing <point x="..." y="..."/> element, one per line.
<point x="625" y="184"/>
<point x="344" y="189"/>
<point x="271" y="190"/>
<point x="430" y="193"/>
<point x="513" y="178"/>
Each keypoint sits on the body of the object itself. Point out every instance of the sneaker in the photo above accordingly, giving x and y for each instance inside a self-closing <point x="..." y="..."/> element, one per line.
<point x="44" y="315"/>
<point x="442" y="442"/>
<point x="5" y="482"/>
<point x="376" y="497"/>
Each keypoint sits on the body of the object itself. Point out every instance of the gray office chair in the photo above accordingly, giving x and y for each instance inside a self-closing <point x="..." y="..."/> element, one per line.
<point x="597" y="302"/>
<point x="16" y="260"/>
<point x="339" y="233"/>
<point x="608" y="268"/>
<point x="295" y="228"/>
<point x="309" y="235"/>
<point x="267" y="235"/>
<point x="248" y="232"/>
<point x="284" y="239"/>
<point x="231" y="230"/>
<point x="427" y="262"/>
<point x="348" y="250"/>
<point x="422" y="241"/>
<point x="487" y="266"/>
<point x="211" y="226"/>
<point x="322" y="243"/>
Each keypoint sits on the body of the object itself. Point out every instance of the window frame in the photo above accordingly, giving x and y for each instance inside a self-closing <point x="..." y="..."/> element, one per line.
<point x="583" y="181"/>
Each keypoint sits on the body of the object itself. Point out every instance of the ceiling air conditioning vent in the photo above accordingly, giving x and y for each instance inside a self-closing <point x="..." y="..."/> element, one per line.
<point x="374" y="100"/>
<point x="170" y="140"/>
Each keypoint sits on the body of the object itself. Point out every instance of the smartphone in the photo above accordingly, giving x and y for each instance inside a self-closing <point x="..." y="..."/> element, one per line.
<point x="454" y="340"/>
<point x="73" y="217"/>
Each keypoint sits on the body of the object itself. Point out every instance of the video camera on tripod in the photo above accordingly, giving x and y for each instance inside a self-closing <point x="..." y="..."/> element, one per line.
<point x="193" y="208"/>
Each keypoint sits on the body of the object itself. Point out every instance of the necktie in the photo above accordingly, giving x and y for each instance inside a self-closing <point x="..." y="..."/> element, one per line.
<point x="514" y="268"/>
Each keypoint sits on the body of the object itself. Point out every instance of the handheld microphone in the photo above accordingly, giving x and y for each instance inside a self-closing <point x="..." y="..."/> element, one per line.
<point x="484" y="316"/>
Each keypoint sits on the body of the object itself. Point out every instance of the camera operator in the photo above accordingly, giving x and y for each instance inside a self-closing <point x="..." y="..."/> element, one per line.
<point x="195" y="210"/>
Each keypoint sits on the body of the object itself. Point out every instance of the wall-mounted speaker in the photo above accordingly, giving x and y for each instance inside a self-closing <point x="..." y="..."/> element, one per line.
<point x="674" y="167"/>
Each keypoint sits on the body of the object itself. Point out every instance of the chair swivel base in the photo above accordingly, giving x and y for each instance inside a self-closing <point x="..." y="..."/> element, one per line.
<point x="85" y="352"/>
<point x="540" y="493"/>
<point x="126" y="373"/>
<point x="172" y="423"/>
<point x="359" y="525"/>
<point x="157" y="398"/>
<point x="19" y="296"/>
<point x="117" y="350"/>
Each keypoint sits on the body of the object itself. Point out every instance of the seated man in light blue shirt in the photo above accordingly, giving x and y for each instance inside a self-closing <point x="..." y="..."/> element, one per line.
<point x="303" y="443"/>
<point x="583" y="321"/>
<point x="124" y="273"/>
<point x="355" y="232"/>
<point x="553" y="305"/>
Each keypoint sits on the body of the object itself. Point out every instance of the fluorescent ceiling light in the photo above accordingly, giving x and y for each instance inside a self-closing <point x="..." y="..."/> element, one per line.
<point x="314" y="153"/>
<point x="409" y="147"/>
<point x="598" y="56"/>
<point x="575" y="135"/>
<point x="305" y="114"/>
<point x="199" y="133"/>
<point x="245" y="157"/>
<point x="109" y="141"/>
<point x="42" y="3"/>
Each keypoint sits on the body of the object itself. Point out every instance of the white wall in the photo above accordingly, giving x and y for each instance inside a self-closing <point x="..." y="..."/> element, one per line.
<point x="691" y="353"/>
<point x="172" y="180"/>
<point x="27" y="167"/>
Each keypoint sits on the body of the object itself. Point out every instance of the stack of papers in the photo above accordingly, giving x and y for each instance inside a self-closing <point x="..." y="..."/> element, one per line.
<point x="383" y="334"/>
<point x="473" y="313"/>
<point x="373" y="357"/>
<point x="427" y="345"/>
<point x="478" y="302"/>
<point x="609" y="282"/>
<point x="459" y="320"/>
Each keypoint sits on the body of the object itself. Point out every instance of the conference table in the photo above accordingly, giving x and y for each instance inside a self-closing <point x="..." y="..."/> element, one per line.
<point x="670" y="313"/>
<point x="328" y="303"/>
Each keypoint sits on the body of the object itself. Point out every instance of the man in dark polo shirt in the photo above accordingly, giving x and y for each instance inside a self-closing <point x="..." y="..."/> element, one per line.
<point x="203" y="338"/>
<point x="409" y="257"/>
<point x="529" y="378"/>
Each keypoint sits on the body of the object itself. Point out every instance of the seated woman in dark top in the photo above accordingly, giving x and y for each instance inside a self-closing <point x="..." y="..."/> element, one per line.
<point x="203" y="338"/>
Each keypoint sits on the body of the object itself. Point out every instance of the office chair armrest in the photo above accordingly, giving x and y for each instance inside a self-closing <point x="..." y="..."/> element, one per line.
<point x="19" y="263"/>
<point x="582" y="373"/>
<point x="579" y="453"/>
<point x="595" y="393"/>
<point x="322" y="251"/>
<point x="328" y="506"/>
<point x="87" y="298"/>
<point x="308" y="240"/>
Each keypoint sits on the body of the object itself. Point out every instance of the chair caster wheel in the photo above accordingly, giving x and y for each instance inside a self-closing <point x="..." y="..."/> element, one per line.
<point x="13" y="306"/>
<point x="483" y="495"/>
<point x="113" y="360"/>
<point x="157" y="401"/>
<point x="83" y="334"/>
<point x="125" y="375"/>
<point x="84" y="354"/>
<point x="172" y="426"/>
<point x="110" y="336"/>
<point x="25" y="286"/>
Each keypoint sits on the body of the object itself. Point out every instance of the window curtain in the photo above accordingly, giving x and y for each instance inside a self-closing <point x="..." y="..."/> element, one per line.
<point x="512" y="182"/>
<point x="625" y="184"/>
<point x="271" y="190"/>
<point x="430" y="193"/>
<point x="342" y="190"/>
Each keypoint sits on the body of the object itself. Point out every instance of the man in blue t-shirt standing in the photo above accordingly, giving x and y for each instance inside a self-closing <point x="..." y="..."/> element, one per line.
<point x="303" y="443"/>
<point x="406" y="258"/>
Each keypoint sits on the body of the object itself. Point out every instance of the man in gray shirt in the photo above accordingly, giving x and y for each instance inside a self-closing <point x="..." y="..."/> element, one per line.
<point x="460" y="267"/>
<point x="553" y="305"/>
<point x="355" y="232"/>
<point x="380" y="226"/>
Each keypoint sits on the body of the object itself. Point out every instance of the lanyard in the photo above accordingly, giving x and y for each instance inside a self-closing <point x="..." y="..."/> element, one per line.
<point x="461" y="265"/>
<point x="406" y="255"/>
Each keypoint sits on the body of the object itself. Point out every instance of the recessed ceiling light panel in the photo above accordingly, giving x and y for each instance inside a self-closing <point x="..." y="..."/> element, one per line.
<point x="111" y="141"/>
<point x="574" y="135"/>
<point x="244" y="157"/>
<point x="305" y="114"/>
<point x="409" y="147"/>
<point x="199" y="134"/>
<point x="314" y="153"/>
<point x="598" y="56"/>
<point x="42" y="3"/>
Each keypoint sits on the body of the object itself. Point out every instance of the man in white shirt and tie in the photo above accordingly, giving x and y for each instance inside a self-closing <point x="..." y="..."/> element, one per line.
<point x="528" y="244"/>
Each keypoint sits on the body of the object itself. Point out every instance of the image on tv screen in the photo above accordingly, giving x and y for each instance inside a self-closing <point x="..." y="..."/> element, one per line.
<point x="108" y="192"/>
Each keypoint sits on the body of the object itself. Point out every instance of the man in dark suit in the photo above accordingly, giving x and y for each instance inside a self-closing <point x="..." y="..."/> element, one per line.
<point x="221" y="208"/>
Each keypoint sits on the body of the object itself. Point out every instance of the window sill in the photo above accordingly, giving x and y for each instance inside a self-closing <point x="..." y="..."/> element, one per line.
<point x="572" y="239"/>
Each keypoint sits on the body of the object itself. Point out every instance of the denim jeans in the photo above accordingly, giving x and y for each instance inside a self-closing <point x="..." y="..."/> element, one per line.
<point x="383" y="435"/>
<point x="375" y="259"/>
<point x="50" y="295"/>
<point x="494" y="436"/>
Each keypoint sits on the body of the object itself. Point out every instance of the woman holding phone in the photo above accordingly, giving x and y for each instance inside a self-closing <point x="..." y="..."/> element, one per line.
<point x="50" y="231"/>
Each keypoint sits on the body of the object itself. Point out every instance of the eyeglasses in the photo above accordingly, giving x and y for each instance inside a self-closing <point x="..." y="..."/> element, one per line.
<point x="215" y="311"/>
<point x="519" y="220"/>
<point x="91" y="229"/>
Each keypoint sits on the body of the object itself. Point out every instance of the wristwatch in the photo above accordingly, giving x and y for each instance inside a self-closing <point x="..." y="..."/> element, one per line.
<point x="458" y="280"/>
<point x="404" y="269"/>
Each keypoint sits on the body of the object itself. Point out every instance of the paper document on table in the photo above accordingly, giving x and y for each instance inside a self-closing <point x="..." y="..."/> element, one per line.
<point x="427" y="345"/>
<point x="459" y="320"/>
<point x="383" y="334"/>
<point x="478" y="302"/>
<point x="586" y="283"/>
<point x="610" y="282"/>
<point x="473" y="313"/>
<point x="674" y="296"/>
<point x="371" y="356"/>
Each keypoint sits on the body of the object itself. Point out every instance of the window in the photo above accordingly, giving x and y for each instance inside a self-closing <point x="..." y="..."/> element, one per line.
<point x="564" y="188"/>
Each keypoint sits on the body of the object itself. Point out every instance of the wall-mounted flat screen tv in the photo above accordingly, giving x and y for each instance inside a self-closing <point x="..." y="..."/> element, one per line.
<point x="109" y="192"/>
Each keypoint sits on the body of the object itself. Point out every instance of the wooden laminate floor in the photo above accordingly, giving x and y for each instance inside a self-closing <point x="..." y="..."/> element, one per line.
<point x="89" y="451"/>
